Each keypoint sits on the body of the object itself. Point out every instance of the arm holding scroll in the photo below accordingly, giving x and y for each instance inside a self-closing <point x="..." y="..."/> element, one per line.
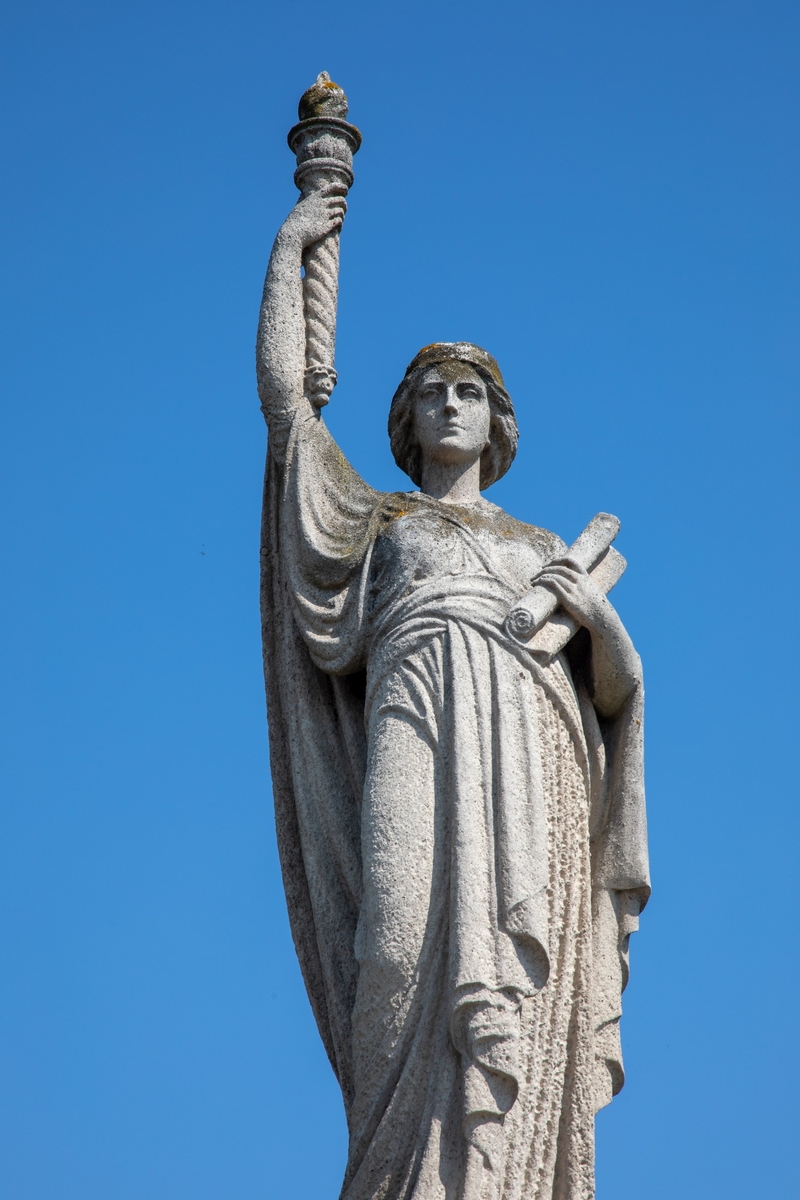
<point x="616" y="667"/>
<point x="572" y="591"/>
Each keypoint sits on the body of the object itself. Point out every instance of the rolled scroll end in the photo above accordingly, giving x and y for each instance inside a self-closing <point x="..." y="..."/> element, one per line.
<point x="530" y="613"/>
<point x="520" y="624"/>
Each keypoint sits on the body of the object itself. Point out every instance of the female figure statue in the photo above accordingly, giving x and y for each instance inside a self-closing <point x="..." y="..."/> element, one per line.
<point x="461" y="825"/>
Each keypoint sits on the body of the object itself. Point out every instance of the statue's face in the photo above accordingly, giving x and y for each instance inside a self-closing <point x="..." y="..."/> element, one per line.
<point x="452" y="414"/>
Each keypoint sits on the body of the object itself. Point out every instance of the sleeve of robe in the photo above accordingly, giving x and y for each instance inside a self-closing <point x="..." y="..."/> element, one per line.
<point x="620" y="868"/>
<point x="317" y="531"/>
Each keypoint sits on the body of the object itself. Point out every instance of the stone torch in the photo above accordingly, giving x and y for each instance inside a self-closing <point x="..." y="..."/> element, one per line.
<point x="324" y="144"/>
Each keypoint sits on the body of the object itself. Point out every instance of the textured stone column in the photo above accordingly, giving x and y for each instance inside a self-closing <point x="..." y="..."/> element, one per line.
<point x="324" y="143"/>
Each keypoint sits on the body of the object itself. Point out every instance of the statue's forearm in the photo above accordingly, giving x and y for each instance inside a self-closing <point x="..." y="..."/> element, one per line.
<point x="280" y="347"/>
<point x="616" y="667"/>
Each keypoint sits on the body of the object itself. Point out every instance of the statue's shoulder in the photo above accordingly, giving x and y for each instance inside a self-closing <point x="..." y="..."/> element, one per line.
<point x="483" y="518"/>
<point x="547" y="544"/>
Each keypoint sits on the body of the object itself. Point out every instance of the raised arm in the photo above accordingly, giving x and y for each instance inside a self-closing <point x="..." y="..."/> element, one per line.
<point x="281" y="342"/>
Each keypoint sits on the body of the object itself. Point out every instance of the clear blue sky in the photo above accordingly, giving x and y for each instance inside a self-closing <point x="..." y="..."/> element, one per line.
<point x="605" y="195"/>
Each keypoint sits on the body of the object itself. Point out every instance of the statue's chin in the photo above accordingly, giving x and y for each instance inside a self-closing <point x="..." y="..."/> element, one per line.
<point x="451" y="454"/>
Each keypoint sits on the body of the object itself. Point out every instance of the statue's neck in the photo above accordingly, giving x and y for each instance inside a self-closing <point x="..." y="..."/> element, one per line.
<point x="455" y="483"/>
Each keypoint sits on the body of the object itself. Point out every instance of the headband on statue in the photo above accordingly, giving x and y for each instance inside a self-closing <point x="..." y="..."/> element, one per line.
<point x="466" y="352"/>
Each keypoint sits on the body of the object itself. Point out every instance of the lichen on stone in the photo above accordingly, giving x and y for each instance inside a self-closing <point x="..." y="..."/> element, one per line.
<point x="323" y="99"/>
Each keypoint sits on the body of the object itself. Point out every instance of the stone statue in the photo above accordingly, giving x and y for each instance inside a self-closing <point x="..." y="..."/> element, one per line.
<point x="455" y="717"/>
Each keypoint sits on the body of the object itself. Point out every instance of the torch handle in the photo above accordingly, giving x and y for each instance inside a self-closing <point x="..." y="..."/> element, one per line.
<point x="320" y="300"/>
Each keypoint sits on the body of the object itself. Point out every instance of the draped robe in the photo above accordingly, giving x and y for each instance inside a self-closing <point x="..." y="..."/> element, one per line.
<point x="462" y="838"/>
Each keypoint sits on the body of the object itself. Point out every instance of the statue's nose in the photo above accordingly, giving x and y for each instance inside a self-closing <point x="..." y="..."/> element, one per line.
<point x="451" y="403"/>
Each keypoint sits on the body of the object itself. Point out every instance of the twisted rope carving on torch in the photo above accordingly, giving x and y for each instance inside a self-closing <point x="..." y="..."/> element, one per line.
<point x="320" y="298"/>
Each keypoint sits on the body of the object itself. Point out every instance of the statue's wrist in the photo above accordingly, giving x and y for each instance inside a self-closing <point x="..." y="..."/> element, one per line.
<point x="289" y="240"/>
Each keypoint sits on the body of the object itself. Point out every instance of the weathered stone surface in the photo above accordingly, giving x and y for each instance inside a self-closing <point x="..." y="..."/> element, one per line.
<point x="458" y="793"/>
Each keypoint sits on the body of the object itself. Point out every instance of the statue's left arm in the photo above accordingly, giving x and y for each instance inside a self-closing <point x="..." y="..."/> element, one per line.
<point x="616" y="668"/>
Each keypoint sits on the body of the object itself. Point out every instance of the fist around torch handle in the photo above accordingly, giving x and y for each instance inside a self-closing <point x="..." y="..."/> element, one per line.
<point x="316" y="215"/>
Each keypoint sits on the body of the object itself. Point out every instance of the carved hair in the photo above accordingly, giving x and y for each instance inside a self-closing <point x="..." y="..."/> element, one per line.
<point x="503" y="432"/>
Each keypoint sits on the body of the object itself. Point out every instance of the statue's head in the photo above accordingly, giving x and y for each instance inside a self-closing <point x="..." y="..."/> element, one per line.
<point x="452" y="406"/>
